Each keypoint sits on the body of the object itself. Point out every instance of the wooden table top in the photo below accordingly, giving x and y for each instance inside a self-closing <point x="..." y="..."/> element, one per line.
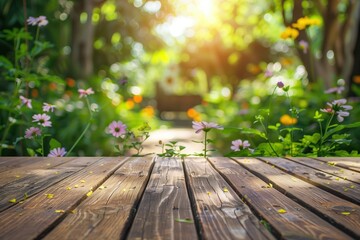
<point x="194" y="198"/>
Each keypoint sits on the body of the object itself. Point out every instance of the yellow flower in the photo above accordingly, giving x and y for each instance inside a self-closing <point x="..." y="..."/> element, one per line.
<point x="304" y="22"/>
<point x="287" y="120"/>
<point x="289" y="33"/>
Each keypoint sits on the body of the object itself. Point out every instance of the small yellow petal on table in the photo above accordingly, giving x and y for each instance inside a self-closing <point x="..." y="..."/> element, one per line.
<point x="281" y="211"/>
<point x="49" y="195"/>
<point x="12" y="200"/>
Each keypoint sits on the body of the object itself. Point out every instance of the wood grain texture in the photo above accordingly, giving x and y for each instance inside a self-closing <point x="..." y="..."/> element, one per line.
<point x="337" y="185"/>
<point x="18" y="166"/>
<point x="311" y="197"/>
<point x="295" y="223"/>
<point x="328" y="168"/>
<point x="37" y="214"/>
<point x="222" y="214"/>
<point x="18" y="171"/>
<point x="107" y="212"/>
<point x="36" y="180"/>
<point x="351" y="163"/>
<point x="164" y="201"/>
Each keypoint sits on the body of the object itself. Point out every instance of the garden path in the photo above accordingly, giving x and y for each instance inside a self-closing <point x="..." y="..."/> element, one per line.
<point x="183" y="135"/>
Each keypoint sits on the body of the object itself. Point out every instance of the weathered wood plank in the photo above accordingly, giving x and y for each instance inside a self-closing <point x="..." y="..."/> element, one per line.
<point x="288" y="218"/>
<point x="37" y="180"/>
<point x="164" y="204"/>
<point x="351" y="163"/>
<point x="328" y="168"/>
<point x="14" y="164"/>
<point x="222" y="214"/>
<point x="106" y="214"/>
<point x="40" y="213"/>
<point x="336" y="185"/>
<point x="341" y="212"/>
<point x="27" y="165"/>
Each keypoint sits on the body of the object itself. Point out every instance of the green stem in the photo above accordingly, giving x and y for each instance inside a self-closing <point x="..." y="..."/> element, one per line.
<point x="205" y="144"/>
<point x="323" y="133"/>
<point x="85" y="130"/>
<point x="291" y="132"/>
<point x="267" y="138"/>
<point x="8" y="122"/>
<point x="37" y="34"/>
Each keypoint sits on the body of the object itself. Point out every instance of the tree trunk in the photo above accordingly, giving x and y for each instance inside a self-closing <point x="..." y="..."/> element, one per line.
<point x="354" y="78"/>
<point x="338" y="36"/>
<point x="82" y="40"/>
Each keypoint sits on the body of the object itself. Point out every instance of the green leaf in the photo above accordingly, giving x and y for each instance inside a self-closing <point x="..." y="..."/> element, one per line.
<point x="254" y="132"/>
<point x="339" y="128"/>
<point x="54" y="143"/>
<point x="291" y="129"/>
<point x="31" y="152"/>
<point x="184" y="220"/>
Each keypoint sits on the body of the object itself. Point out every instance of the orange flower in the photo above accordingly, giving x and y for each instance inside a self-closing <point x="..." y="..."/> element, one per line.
<point x="52" y="86"/>
<point x="129" y="104"/>
<point x="193" y="114"/>
<point x="148" y="111"/>
<point x="34" y="93"/>
<point x="137" y="99"/>
<point x="287" y="120"/>
<point x="356" y="79"/>
<point x="70" y="82"/>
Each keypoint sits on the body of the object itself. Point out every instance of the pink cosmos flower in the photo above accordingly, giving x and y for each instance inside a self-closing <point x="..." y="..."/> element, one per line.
<point x="57" y="152"/>
<point x="117" y="129"/>
<point x="32" y="132"/>
<point x="42" y="21"/>
<point x="205" y="126"/>
<point x="338" y="90"/>
<point x="304" y="45"/>
<point x="32" y="21"/>
<point x="42" y="119"/>
<point x="84" y="93"/>
<point x="39" y="21"/>
<point x="238" y="144"/>
<point x="26" y="101"/>
<point x="339" y="108"/>
<point x="48" y="107"/>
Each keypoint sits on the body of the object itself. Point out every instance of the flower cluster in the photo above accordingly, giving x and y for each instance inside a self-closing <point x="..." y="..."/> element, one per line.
<point x="39" y="21"/>
<point x="304" y="22"/>
<point x="339" y="108"/>
<point x="293" y="31"/>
